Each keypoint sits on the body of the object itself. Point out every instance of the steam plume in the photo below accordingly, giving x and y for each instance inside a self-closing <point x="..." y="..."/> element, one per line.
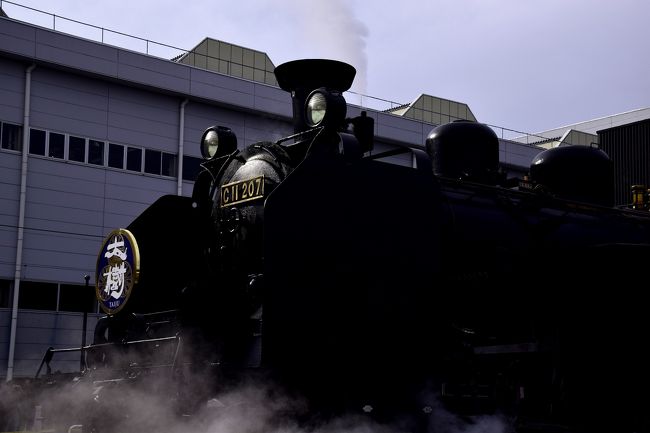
<point x="331" y="30"/>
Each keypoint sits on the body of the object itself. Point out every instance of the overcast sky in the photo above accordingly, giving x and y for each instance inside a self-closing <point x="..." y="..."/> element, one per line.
<point x="528" y="65"/>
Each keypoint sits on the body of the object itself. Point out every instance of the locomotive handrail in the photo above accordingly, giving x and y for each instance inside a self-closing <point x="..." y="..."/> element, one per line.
<point x="49" y="353"/>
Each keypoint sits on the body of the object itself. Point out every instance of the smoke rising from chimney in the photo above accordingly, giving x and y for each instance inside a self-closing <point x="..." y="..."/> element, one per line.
<point x="330" y="30"/>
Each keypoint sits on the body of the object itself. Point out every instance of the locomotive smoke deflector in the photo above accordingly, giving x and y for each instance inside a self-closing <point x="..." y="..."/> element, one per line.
<point x="302" y="77"/>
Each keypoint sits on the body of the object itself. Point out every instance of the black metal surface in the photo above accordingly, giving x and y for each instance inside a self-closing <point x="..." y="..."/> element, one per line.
<point x="301" y="77"/>
<point x="464" y="150"/>
<point x="578" y="173"/>
<point x="350" y="279"/>
<point x="404" y="288"/>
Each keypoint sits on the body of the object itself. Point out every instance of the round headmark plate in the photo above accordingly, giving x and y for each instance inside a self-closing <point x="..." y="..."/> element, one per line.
<point x="118" y="269"/>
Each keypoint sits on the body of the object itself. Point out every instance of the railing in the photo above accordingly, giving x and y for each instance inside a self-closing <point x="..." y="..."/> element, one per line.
<point x="168" y="52"/>
<point x="90" y="31"/>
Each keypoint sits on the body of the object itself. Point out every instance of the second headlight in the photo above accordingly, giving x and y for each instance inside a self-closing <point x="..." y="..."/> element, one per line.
<point x="325" y="108"/>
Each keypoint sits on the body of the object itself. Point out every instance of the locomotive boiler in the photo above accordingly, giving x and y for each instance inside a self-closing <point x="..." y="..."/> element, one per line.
<point x="390" y="290"/>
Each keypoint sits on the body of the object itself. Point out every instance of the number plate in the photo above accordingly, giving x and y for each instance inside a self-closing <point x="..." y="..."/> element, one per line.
<point x="242" y="191"/>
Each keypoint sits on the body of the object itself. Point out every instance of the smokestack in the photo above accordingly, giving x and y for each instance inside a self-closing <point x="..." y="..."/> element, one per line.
<point x="301" y="77"/>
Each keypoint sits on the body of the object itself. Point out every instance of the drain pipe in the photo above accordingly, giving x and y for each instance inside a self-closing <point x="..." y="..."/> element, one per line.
<point x="21" y="223"/>
<point x="181" y="144"/>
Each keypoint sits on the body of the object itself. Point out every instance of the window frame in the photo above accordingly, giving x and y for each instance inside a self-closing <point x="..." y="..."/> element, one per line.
<point x="102" y="153"/>
<point x="85" y="149"/>
<point x="19" y="144"/>
<point x="31" y="144"/>
<point x="140" y="149"/>
<point x="48" y="151"/>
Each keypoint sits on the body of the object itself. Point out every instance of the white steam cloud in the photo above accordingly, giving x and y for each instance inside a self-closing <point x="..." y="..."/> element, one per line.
<point x="153" y="406"/>
<point x="331" y="30"/>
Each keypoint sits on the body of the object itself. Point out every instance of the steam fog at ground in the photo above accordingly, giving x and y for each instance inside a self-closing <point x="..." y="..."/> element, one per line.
<point x="120" y="407"/>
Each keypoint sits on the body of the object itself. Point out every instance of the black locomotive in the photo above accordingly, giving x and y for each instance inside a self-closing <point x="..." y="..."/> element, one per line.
<point x="391" y="290"/>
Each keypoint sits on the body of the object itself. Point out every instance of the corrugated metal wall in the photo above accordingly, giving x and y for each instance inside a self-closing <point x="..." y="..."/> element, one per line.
<point x="629" y="148"/>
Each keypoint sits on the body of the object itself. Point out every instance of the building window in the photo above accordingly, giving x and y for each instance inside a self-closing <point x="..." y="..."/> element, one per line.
<point x="56" y="145"/>
<point x="169" y="165"/>
<point x="115" y="155"/>
<point x="77" y="149"/>
<point x="12" y="137"/>
<point x="95" y="152"/>
<point x="37" y="142"/>
<point x="77" y="298"/>
<point x="134" y="158"/>
<point x="191" y="167"/>
<point x="5" y="294"/>
<point x="37" y="296"/>
<point x="152" y="161"/>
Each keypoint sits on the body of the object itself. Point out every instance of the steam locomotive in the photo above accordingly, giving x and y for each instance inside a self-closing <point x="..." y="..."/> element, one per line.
<point x="390" y="290"/>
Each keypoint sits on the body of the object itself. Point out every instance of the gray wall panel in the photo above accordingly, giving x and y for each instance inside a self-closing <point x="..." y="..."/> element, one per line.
<point x="71" y="200"/>
<point x="154" y="64"/>
<point x="12" y="87"/>
<point x="49" y="225"/>
<point x="148" y="133"/>
<point x="140" y="181"/>
<point x="17" y="38"/>
<point x="48" y="241"/>
<point x="266" y="129"/>
<point x="70" y="125"/>
<point x="53" y="39"/>
<point x="131" y="195"/>
<point x="7" y="239"/>
<point x="228" y="96"/>
<point x="273" y="106"/>
<point x="5" y="323"/>
<point x="69" y="110"/>
<point x="7" y="271"/>
<point x="208" y="79"/>
<point x="69" y="87"/>
<point x="278" y="100"/>
<point x="114" y="221"/>
<point x="82" y="172"/>
<point x="9" y="192"/>
<point x="153" y="78"/>
<point x="11" y="161"/>
<point x="9" y="216"/>
<point x="200" y="116"/>
<point x="117" y="134"/>
<point x="125" y="208"/>
<point x="71" y="275"/>
<point x="11" y="68"/>
<point x="61" y="183"/>
<point x="59" y="213"/>
<point x="65" y="50"/>
<point x="83" y="61"/>
<point x="11" y="113"/>
<point x="144" y="105"/>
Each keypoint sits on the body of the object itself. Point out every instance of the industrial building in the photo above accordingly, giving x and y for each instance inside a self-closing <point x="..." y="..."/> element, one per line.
<point x="91" y="134"/>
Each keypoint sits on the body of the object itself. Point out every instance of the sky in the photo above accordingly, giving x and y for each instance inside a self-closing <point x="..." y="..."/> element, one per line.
<point x="527" y="65"/>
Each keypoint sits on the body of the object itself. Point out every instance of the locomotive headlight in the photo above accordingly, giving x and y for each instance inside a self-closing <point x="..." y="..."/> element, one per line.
<point x="218" y="141"/>
<point x="325" y="108"/>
